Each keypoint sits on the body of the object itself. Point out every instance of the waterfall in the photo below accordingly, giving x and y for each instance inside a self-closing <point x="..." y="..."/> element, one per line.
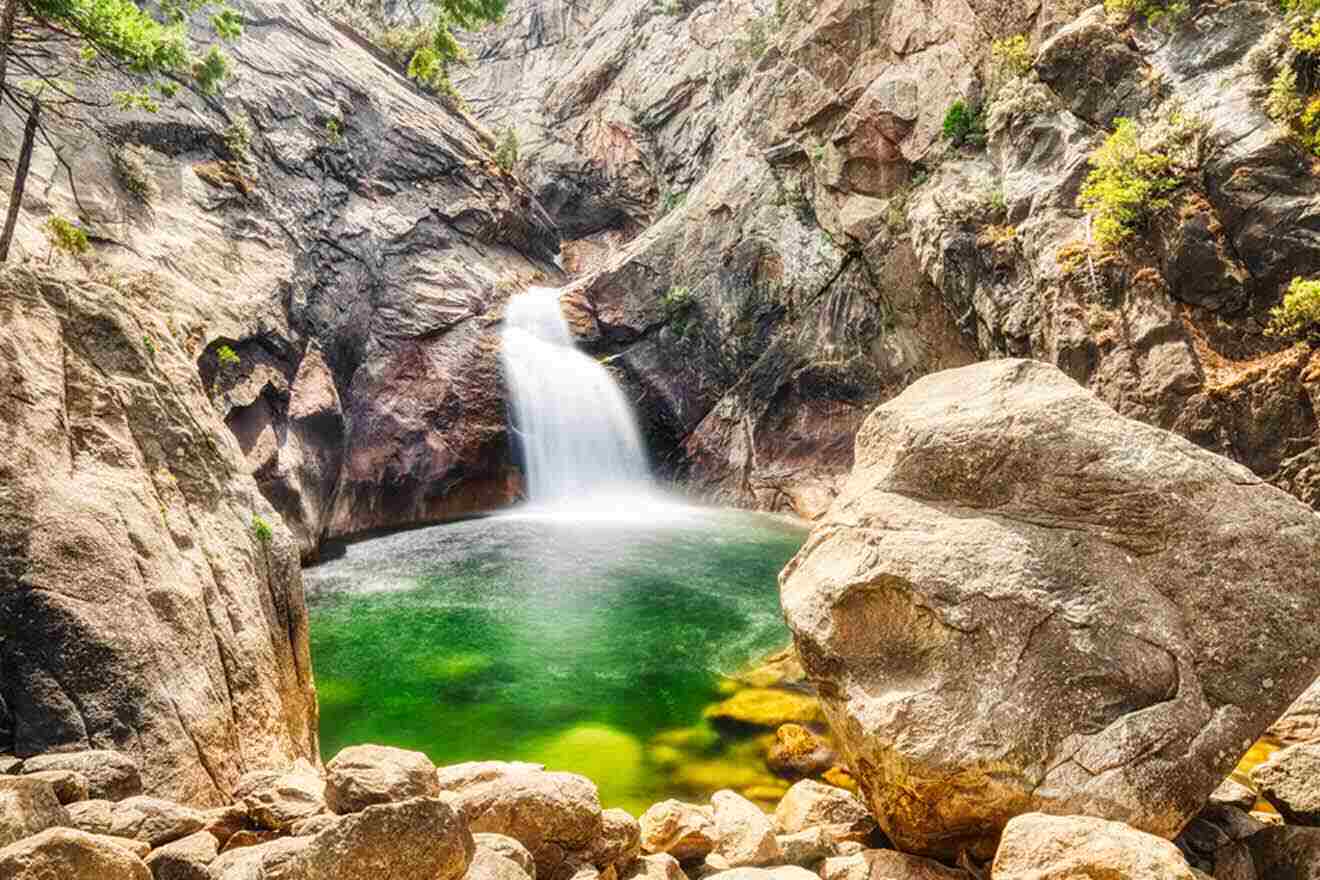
<point x="577" y="432"/>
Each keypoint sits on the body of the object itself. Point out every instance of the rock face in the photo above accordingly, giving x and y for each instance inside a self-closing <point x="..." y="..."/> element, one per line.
<point x="1024" y="601"/>
<point x="1038" y="847"/>
<point x="139" y="612"/>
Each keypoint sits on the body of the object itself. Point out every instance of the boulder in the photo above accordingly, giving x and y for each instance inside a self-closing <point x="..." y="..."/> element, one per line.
<point x="187" y="858"/>
<point x="489" y="865"/>
<point x="1234" y="794"/>
<point x="264" y="861"/>
<point x="685" y="831"/>
<point x="948" y="610"/>
<point x="809" y="804"/>
<point x="360" y="776"/>
<point x="783" y="872"/>
<point x="886" y="864"/>
<point x="245" y="837"/>
<point x="459" y="776"/>
<point x="139" y="848"/>
<point x="277" y="800"/>
<point x="656" y="866"/>
<point x="1040" y="847"/>
<point x="224" y="822"/>
<point x="68" y="854"/>
<point x="503" y="845"/>
<point x="110" y="776"/>
<point x="744" y="835"/>
<point x="1285" y="853"/>
<point x="1290" y="780"/>
<point x="94" y="817"/>
<point x="798" y="752"/>
<point x="557" y="816"/>
<point x="620" y="840"/>
<point x="1301" y="723"/>
<point x="153" y="820"/>
<point x="417" y="839"/>
<point x="805" y="848"/>
<point x="27" y="806"/>
<point x="313" y="825"/>
<point x="68" y="785"/>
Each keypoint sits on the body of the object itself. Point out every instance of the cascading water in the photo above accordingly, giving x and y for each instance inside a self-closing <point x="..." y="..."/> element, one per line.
<point x="578" y="435"/>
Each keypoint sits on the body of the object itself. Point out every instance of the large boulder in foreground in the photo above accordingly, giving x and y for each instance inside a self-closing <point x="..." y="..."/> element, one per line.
<point x="67" y="854"/>
<point x="1024" y="601"/>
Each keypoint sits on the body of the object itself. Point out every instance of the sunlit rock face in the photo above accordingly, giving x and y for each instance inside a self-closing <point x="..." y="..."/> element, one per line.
<point x="1025" y="602"/>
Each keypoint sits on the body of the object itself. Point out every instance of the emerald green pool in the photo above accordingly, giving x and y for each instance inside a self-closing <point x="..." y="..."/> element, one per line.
<point x="587" y="645"/>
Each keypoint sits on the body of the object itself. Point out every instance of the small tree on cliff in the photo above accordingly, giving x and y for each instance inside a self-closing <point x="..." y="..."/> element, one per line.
<point x="47" y="46"/>
<point x="430" y="63"/>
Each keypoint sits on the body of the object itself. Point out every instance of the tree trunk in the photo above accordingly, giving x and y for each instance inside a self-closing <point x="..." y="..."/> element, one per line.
<point x="8" y="12"/>
<point x="20" y="179"/>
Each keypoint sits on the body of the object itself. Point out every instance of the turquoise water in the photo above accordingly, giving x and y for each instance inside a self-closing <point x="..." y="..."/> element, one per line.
<point x="587" y="646"/>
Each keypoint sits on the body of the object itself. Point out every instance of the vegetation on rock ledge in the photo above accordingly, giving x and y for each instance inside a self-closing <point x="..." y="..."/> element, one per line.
<point x="1299" y="313"/>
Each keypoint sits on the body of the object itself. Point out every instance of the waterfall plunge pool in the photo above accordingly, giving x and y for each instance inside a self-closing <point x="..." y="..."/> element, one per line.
<point x="591" y="645"/>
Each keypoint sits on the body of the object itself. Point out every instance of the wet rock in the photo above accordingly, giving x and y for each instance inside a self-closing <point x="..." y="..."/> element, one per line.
<point x="1290" y="780"/>
<point x="886" y="863"/>
<point x="1040" y="847"/>
<point x="655" y="866"/>
<point x="765" y="707"/>
<point x="1285" y="853"/>
<point x="806" y="848"/>
<point x="798" y="752"/>
<point x="68" y="785"/>
<point x="360" y="776"/>
<point x="277" y="800"/>
<point x="418" y="839"/>
<point x="809" y="804"/>
<point x="1079" y="495"/>
<point x="67" y="854"/>
<point x="185" y="859"/>
<point x="557" y="816"/>
<point x="744" y="835"/>
<point x="685" y="831"/>
<point x="27" y="806"/>
<point x="507" y="847"/>
<point x="620" y="840"/>
<point x="153" y="820"/>
<point x="110" y="776"/>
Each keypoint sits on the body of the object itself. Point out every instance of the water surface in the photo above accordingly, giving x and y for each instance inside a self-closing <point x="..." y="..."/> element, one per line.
<point x="591" y="645"/>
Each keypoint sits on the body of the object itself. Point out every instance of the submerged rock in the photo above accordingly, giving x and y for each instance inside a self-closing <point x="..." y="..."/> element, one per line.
<point x="67" y="854"/>
<point x="1040" y="847"/>
<point x="798" y="752"/>
<point x="1021" y="602"/>
<point x="766" y="707"/>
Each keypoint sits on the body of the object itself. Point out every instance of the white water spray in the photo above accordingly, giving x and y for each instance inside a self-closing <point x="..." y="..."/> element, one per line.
<point x="578" y="435"/>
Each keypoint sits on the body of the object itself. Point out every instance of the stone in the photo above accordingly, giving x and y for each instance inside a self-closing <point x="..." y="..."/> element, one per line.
<point x="507" y="847"/>
<point x="685" y="831"/>
<point x="360" y="776"/>
<point x="655" y="866"/>
<point x="557" y="816"/>
<point x="937" y="610"/>
<point x="1217" y="826"/>
<point x="1301" y="723"/>
<point x="1233" y="793"/>
<point x="456" y="777"/>
<point x="489" y="865"/>
<point x="279" y="858"/>
<point x="1040" y="847"/>
<point x="798" y="752"/>
<point x="68" y="854"/>
<point x="807" y="847"/>
<point x="9" y="765"/>
<point x="809" y="804"/>
<point x="94" y="816"/>
<point x="312" y="825"/>
<point x="1290" y="780"/>
<point x="1282" y="852"/>
<point x="244" y="838"/>
<point x="884" y="864"/>
<point x="744" y="836"/>
<point x="110" y="776"/>
<point x="27" y="806"/>
<point x="620" y="840"/>
<point x="223" y="822"/>
<point x="139" y="848"/>
<point x="765" y="707"/>
<point x="418" y="839"/>
<point x="153" y="820"/>
<point x="783" y="872"/>
<point x="187" y="858"/>
<point x="277" y="801"/>
<point x="68" y="785"/>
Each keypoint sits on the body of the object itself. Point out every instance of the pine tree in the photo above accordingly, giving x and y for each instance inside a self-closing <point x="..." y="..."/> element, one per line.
<point x="430" y="63"/>
<point x="48" y="46"/>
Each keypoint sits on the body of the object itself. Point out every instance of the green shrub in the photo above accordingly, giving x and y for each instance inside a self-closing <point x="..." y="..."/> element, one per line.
<point x="671" y="200"/>
<point x="334" y="130"/>
<point x="227" y="357"/>
<point x="65" y="237"/>
<point x="261" y="529"/>
<point x="506" y="153"/>
<point x="1292" y="100"/>
<point x="962" y="125"/>
<point x="238" y="138"/>
<point x="1010" y="57"/>
<point x="1134" y="171"/>
<point x="130" y="166"/>
<point x="150" y="345"/>
<point x="1157" y="13"/>
<point x="1299" y="314"/>
<point x="677" y="304"/>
